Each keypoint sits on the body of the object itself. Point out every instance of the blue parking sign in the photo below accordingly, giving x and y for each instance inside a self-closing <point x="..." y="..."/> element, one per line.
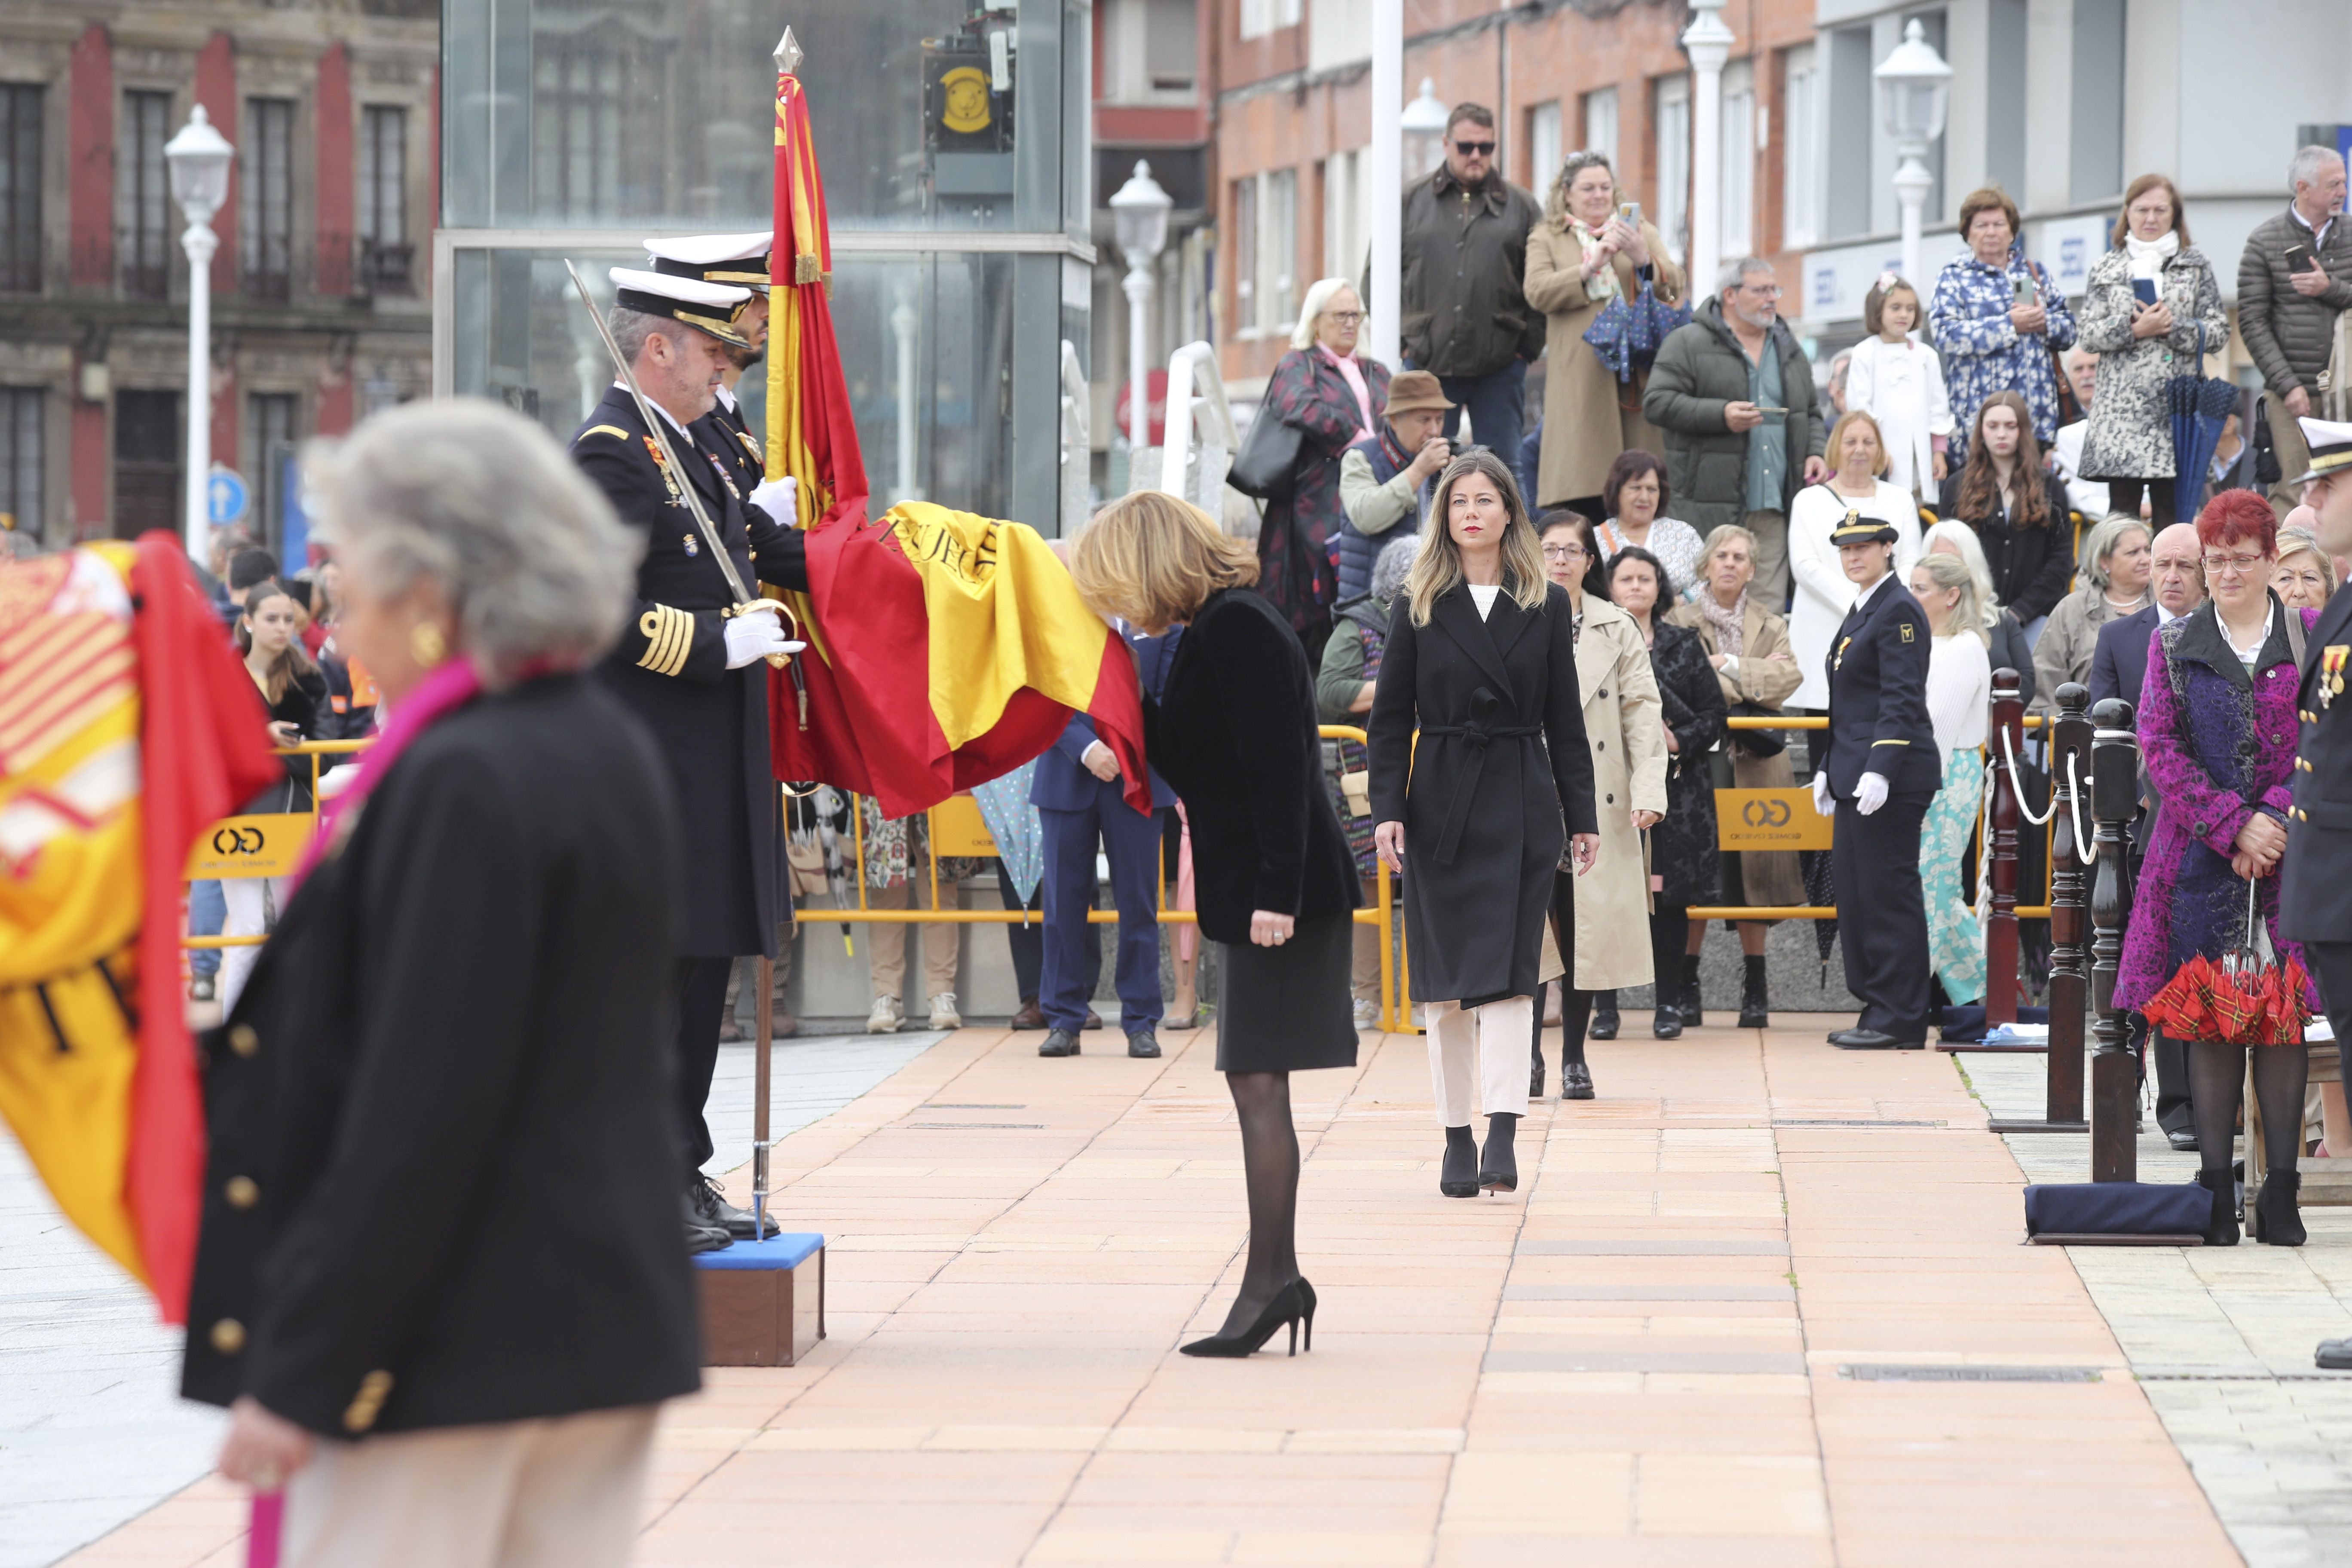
<point x="226" y="496"/>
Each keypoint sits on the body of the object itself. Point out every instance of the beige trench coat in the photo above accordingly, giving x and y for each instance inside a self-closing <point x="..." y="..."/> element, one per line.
<point x="1625" y="726"/>
<point x="2068" y="640"/>
<point x="1766" y="875"/>
<point x="1590" y="417"/>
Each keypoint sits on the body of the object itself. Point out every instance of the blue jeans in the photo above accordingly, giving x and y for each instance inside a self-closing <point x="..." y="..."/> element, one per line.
<point x="1497" y="405"/>
<point x="1131" y="843"/>
<point x="207" y="913"/>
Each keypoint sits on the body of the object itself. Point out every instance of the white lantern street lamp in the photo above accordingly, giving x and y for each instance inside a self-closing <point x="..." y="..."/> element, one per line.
<point x="1914" y="90"/>
<point x="1708" y="43"/>
<point x="1139" y="219"/>
<point x="1423" y="124"/>
<point x="198" y="158"/>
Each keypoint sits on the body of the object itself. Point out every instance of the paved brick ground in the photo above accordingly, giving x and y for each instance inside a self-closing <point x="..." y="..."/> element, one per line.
<point x="1642" y="1359"/>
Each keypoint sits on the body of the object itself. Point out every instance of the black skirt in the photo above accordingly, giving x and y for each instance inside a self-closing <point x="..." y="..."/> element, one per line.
<point x="1287" y="1008"/>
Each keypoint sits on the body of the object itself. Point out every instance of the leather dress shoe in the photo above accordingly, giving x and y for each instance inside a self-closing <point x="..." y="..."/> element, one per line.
<point x="704" y="1205"/>
<point x="1872" y="1040"/>
<point x="1031" y="1017"/>
<point x="1576" y="1081"/>
<point x="1142" y="1043"/>
<point x="701" y="1235"/>
<point x="2334" y="1355"/>
<point x="1059" y="1043"/>
<point x="1093" y="1019"/>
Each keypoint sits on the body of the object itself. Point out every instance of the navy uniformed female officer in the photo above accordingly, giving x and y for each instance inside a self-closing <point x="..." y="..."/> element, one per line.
<point x="1877" y="776"/>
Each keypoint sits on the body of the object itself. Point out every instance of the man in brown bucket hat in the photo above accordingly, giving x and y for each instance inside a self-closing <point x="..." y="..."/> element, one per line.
<point x="1381" y="477"/>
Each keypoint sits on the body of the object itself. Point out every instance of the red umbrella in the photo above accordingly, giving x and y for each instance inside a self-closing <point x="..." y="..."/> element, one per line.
<point x="2246" y="999"/>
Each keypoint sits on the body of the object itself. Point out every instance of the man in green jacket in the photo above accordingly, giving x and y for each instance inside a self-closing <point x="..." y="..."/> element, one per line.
<point x="1734" y="395"/>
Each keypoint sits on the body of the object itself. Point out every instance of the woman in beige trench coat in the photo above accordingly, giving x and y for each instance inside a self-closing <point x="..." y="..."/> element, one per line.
<point x="1605" y="914"/>
<point x="1580" y="257"/>
<point x="1760" y="673"/>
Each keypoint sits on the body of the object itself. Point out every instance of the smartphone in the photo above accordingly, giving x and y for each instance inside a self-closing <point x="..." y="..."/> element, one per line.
<point x="2298" y="258"/>
<point x="2145" y="290"/>
<point x="1630" y="212"/>
<point x="2021" y="291"/>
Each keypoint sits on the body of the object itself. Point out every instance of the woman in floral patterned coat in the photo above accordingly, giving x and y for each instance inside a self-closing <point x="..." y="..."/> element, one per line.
<point x="2218" y="733"/>
<point x="1335" y="397"/>
<point x="1995" y="318"/>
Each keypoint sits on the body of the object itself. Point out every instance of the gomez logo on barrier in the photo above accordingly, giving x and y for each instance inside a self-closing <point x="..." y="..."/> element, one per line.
<point x="1768" y="813"/>
<point x="266" y="845"/>
<point x="234" y="840"/>
<point x="1775" y="818"/>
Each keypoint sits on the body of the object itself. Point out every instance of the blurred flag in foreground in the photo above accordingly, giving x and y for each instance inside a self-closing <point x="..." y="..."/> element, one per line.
<point x="944" y="648"/>
<point x="127" y="726"/>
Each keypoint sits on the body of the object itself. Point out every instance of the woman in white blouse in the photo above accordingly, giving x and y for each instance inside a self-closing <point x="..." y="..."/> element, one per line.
<point x="1959" y="691"/>
<point x="1898" y="380"/>
<point x="1822" y="595"/>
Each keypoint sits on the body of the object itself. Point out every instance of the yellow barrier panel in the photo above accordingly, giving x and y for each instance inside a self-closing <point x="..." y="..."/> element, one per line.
<point x="264" y="845"/>
<point x="1778" y="818"/>
<point x="958" y="828"/>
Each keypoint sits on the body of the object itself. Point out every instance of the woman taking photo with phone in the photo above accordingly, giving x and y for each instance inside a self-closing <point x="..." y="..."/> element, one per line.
<point x="1481" y="660"/>
<point x="2147" y="303"/>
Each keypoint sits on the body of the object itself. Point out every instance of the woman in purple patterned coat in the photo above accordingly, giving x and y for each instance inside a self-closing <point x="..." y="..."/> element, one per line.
<point x="2217" y="726"/>
<point x="1336" y="396"/>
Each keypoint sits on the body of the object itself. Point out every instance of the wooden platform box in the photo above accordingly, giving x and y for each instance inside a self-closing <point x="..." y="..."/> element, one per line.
<point x="762" y="1301"/>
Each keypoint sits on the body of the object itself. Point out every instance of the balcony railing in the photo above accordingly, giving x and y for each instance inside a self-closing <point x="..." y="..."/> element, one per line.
<point x="386" y="269"/>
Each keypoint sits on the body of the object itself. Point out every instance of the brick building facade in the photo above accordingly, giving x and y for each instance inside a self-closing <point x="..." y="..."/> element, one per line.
<point x="320" y="307"/>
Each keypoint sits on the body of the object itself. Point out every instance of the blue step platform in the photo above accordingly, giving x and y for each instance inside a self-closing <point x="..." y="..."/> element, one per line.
<point x="762" y="1301"/>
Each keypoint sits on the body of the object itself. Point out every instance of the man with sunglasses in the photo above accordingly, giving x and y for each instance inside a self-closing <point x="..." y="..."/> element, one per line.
<point x="1465" y="252"/>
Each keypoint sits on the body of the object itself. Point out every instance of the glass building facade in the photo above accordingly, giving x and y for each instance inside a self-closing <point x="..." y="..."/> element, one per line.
<point x="954" y="145"/>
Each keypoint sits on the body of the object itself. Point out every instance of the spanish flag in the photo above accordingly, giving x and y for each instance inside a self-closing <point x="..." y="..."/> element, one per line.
<point x="945" y="649"/>
<point x="126" y="726"/>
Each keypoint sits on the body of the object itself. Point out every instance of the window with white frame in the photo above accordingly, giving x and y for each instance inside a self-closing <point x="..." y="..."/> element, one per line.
<point x="1245" y="255"/>
<point x="1801" y="149"/>
<point x="1544" y="153"/>
<point x="1674" y="121"/>
<point x="1278" y="249"/>
<point x="1600" y="127"/>
<point x="1738" y="158"/>
<point x="1259" y="17"/>
<point x="1344" y="242"/>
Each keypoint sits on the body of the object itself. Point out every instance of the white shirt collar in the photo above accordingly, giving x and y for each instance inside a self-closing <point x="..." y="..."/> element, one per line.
<point x="727" y="397"/>
<point x="1865" y="596"/>
<point x="2319" y="235"/>
<point x="670" y="418"/>
<point x="2165" y="618"/>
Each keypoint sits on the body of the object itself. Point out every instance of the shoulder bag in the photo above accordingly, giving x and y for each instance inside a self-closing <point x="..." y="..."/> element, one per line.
<point x="1267" y="465"/>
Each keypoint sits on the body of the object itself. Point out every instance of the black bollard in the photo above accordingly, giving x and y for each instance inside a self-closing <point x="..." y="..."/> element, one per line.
<point x="2069" y="953"/>
<point x="2115" y="1076"/>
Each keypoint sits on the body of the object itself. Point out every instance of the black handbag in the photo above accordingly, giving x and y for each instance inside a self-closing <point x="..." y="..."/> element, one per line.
<point x="1758" y="742"/>
<point x="1267" y="465"/>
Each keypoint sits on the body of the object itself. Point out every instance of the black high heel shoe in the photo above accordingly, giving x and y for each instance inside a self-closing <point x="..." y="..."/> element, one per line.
<point x="2277" y="1216"/>
<point x="1293" y="1303"/>
<point x="1457" y="1177"/>
<point x="2222" y="1222"/>
<point x="1499" y="1165"/>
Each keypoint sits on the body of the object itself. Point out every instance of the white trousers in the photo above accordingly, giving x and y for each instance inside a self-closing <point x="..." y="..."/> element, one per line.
<point x="1478" y="1058"/>
<point x="254" y="904"/>
<point x="558" y="1493"/>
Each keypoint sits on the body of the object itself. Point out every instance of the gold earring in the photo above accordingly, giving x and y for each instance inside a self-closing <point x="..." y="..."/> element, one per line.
<point x="426" y="643"/>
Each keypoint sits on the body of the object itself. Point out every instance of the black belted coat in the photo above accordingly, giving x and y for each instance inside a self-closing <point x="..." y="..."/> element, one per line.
<point x="1502" y="775"/>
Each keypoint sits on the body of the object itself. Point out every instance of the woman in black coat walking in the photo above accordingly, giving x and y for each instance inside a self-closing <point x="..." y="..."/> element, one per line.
<point x="1685" y="859"/>
<point x="1233" y="731"/>
<point x="1481" y="658"/>
<point x="442" y="1193"/>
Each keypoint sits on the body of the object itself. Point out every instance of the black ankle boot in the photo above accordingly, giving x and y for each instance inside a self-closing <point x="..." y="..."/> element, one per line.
<point x="1668" y="1023"/>
<point x="1755" y="1005"/>
<point x="1458" y="1177"/>
<point x="2277" y="1217"/>
<point x="1499" y="1165"/>
<point x="1687" y="1003"/>
<point x="1604" y="1017"/>
<point x="2221" y="1229"/>
<point x="1536" y="1071"/>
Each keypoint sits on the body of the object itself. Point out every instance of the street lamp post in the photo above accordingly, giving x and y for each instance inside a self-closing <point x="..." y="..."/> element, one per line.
<point x="1139" y="216"/>
<point x="1387" y="178"/>
<point x="1423" y="124"/>
<point x="198" y="158"/>
<point x="1708" y="43"/>
<point x="1915" y="90"/>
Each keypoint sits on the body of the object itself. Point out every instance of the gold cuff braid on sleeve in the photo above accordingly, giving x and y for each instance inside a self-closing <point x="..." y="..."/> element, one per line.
<point x="669" y="638"/>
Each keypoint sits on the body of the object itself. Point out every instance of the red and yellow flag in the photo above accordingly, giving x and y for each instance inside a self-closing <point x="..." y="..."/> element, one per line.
<point x="945" y="649"/>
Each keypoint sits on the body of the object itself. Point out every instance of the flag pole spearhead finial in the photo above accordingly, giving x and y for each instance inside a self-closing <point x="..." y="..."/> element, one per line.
<point x="788" y="54"/>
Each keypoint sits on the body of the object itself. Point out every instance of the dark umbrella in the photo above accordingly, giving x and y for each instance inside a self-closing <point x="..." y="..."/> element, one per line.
<point x="2199" y="405"/>
<point x="1821" y="891"/>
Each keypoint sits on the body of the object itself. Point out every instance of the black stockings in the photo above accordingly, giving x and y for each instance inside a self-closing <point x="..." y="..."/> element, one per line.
<point x="1270" y="1167"/>
<point x="1575" y="1018"/>
<point x="1669" y="939"/>
<point x="2215" y="1072"/>
<point x="1575" y="1006"/>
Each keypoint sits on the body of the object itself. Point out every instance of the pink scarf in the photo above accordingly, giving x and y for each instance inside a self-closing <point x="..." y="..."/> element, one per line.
<point x="448" y="688"/>
<point x="1354" y="374"/>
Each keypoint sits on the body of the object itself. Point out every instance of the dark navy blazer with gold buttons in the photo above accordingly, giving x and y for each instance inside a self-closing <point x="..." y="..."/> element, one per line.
<point x="2315" y="875"/>
<point x="441" y="1185"/>
<point x="1878" y="698"/>
<point x="671" y="663"/>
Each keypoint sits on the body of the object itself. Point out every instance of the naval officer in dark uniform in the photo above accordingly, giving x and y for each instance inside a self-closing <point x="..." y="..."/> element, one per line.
<point x="1878" y="778"/>
<point x="2316" y="872"/>
<point x="692" y="667"/>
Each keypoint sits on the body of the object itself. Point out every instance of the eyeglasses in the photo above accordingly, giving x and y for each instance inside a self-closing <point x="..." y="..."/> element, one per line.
<point x="1475" y="149"/>
<point x="1563" y="552"/>
<point x="1345" y="317"/>
<point x="2217" y="565"/>
<point x="1761" y="291"/>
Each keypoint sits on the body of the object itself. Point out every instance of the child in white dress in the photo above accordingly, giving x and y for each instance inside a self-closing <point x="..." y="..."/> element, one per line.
<point x="1900" y="383"/>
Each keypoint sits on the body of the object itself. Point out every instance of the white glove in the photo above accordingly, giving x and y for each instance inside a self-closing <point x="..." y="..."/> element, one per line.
<point x="780" y="499"/>
<point x="1870" y="792"/>
<point x="754" y="634"/>
<point x="1822" y="802"/>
